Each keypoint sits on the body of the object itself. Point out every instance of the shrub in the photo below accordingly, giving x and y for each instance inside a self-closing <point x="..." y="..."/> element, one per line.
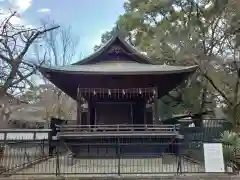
<point x="231" y="146"/>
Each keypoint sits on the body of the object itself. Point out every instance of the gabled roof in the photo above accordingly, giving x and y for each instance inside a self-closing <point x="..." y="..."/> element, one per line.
<point x="117" y="38"/>
<point x="119" y="68"/>
<point x="116" y="58"/>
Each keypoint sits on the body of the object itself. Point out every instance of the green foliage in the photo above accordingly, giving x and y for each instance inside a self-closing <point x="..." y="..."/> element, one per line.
<point x="165" y="109"/>
<point x="105" y="38"/>
<point x="233" y="116"/>
<point x="188" y="32"/>
<point x="231" y="145"/>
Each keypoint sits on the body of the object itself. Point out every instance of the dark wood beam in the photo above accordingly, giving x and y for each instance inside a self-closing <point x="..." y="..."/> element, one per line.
<point x="156" y="117"/>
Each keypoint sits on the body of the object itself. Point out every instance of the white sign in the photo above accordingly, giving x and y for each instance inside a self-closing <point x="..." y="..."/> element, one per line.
<point x="19" y="136"/>
<point x="213" y="157"/>
<point x="41" y="136"/>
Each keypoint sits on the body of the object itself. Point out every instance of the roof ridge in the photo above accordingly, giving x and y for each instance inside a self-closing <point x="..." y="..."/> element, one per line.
<point x="116" y="36"/>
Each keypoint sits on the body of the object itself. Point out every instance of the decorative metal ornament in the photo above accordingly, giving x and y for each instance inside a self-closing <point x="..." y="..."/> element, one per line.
<point x="123" y="92"/>
<point x="115" y="50"/>
<point x="140" y="91"/>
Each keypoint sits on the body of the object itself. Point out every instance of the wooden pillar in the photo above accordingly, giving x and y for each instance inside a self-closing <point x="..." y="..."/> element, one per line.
<point x="95" y="116"/>
<point x="145" y="112"/>
<point x="79" y="108"/>
<point x="78" y="113"/>
<point x="155" y="104"/>
<point x="89" y="113"/>
<point x="132" y="118"/>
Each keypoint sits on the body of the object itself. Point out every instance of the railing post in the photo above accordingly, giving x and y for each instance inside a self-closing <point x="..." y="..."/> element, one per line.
<point x="119" y="157"/>
<point x="57" y="162"/>
<point x="50" y="139"/>
<point x="156" y="117"/>
<point x="180" y="139"/>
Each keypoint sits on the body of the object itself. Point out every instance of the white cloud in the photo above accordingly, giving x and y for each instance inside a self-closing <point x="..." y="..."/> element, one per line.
<point x="20" y="5"/>
<point x="44" y="10"/>
<point x="15" y="20"/>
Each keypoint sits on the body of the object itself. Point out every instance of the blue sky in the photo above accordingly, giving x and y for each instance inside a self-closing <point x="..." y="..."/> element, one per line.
<point x="88" y="18"/>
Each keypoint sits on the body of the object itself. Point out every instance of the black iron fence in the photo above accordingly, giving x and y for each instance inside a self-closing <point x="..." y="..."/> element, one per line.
<point x="103" y="158"/>
<point x="153" y="154"/>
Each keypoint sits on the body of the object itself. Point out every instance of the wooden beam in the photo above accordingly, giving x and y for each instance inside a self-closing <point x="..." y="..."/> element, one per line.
<point x="78" y="112"/>
<point x="79" y="108"/>
<point x="89" y="112"/>
<point x="145" y="113"/>
<point x="156" y="117"/>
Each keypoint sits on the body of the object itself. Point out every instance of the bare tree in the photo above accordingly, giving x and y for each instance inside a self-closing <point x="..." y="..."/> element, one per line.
<point x="45" y="104"/>
<point x="60" y="45"/>
<point x="15" y="42"/>
<point x="15" y="70"/>
<point x="60" y="48"/>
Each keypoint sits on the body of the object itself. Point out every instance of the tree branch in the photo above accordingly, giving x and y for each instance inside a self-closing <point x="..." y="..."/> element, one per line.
<point x="34" y="37"/>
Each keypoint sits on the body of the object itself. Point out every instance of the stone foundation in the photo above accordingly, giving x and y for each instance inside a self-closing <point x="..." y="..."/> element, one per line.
<point x="186" y="177"/>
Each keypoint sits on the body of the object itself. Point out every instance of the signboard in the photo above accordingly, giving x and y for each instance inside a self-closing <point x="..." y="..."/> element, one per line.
<point x="20" y="136"/>
<point x="213" y="157"/>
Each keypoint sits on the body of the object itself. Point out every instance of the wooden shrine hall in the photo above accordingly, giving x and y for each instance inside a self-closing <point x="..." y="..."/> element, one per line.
<point x="121" y="88"/>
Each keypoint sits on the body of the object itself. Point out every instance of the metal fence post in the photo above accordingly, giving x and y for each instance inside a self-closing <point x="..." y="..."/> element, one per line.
<point x="118" y="156"/>
<point x="179" y="153"/>
<point x="57" y="162"/>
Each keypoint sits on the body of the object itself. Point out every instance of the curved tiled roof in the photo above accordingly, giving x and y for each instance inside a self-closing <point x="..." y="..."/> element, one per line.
<point x="114" y="67"/>
<point x="117" y="57"/>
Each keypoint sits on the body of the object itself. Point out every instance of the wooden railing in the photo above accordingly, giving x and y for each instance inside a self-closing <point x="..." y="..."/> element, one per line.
<point x="119" y="129"/>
